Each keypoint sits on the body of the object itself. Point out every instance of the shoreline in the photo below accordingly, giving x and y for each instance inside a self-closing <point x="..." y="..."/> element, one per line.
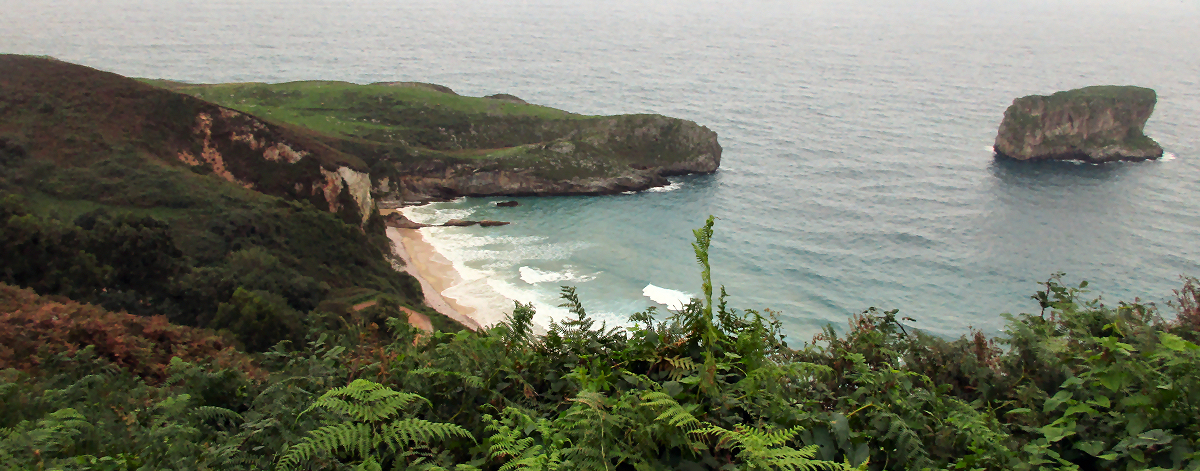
<point x="421" y="260"/>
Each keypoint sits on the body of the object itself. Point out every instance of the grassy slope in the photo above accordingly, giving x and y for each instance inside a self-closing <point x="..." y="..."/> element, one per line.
<point x="75" y="140"/>
<point x="380" y="113"/>
<point x="73" y="115"/>
<point x="412" y="126"/>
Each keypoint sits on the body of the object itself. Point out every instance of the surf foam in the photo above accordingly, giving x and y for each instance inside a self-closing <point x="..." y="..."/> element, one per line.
<point x="672" y="299"/>
<point x="663" y="189"/>
<point x="534" y="276"/>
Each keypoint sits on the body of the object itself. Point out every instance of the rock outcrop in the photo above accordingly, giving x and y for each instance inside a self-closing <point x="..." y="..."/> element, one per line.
<point x="593" y="156"/>
<point x="1093" y="124"/>
<point x="398" y="220"/>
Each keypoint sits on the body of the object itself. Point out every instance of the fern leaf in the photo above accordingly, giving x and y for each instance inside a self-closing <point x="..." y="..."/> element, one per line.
<point x="328" y="439"/>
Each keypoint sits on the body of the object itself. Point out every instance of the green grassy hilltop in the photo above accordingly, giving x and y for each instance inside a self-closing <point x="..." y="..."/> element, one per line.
<point x="429" y="131"/>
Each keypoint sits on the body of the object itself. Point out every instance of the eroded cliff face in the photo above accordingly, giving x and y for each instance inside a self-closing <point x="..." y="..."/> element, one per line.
<point x="595" y="157"/>
<point x="1094" y="124"/>
<point x="248" y="152"/>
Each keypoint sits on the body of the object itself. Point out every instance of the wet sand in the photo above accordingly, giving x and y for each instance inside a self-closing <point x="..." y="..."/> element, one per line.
<point x="435" y="273"/>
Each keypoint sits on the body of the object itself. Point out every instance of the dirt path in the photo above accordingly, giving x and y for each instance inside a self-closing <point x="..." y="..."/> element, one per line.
<point x="418" y="320"/>
<point x="361" y="306"/>
<point x="415" y="318"/>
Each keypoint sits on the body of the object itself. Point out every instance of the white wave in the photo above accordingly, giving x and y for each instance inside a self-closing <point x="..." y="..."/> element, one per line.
<point x="533" y="276"/>
<point x="435" y="213"/>
<point x="546" y="312"/>
<point x="490" y="305"/>
<point x="546" y="305"/>
<point x="1167" y="157"/>
<point x="628" y="192"/>
<point x="662" y="189"/>
<point x="484" y="264"/>
<point x="669" y="297"/>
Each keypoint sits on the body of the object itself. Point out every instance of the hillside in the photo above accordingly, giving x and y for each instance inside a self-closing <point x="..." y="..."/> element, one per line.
<point x="136" y="198"/>
<point x="424" y="141"/>
<point x="75" y="116"/>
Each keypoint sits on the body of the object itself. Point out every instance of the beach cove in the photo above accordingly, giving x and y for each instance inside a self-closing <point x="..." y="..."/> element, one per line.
<point x="435" y="273"/>
<point x="857" y="168"/>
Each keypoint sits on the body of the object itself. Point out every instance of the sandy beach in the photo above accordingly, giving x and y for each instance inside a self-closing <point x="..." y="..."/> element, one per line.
<point x="435" y="273"/>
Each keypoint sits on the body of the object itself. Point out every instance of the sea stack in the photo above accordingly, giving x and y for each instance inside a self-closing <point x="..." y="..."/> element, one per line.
<point x="1092" y="124"/>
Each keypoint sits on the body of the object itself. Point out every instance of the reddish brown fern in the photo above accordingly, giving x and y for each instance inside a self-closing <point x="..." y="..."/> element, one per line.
<point x="34" y="327"/>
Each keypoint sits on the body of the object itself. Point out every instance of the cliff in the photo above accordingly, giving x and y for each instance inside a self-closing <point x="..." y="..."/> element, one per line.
<point x="74" y="116"/>
<point x="1092" y="124"/>
<point x="426" y="142"/>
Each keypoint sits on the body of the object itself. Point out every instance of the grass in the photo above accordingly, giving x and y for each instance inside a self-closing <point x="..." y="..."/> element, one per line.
<point x="377" y="112"/>
<point x="412" y="124"/>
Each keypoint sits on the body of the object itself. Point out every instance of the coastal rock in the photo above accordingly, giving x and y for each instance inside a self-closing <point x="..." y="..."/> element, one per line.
<point x="459" y="223"/>
<point x="507" y="204"/>
<point x="592" y="156"/>
<point x="400" y="221"/>
<point x="487" y="223"/>
<point x="1092" y="124"/>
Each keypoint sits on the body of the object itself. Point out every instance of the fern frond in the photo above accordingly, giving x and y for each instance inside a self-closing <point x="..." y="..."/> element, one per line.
<point x="673" y="413"/>
<point x="767" y="449"/>
<point x="371" y="401"/>
<point x="329" y="439"/>
<point x="217" y="413"/>
<point x="410" y="431"/>
<point x="368" y="404"/>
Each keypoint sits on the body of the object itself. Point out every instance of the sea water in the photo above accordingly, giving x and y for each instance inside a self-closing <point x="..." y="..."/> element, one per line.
<point x="857" y="167"/>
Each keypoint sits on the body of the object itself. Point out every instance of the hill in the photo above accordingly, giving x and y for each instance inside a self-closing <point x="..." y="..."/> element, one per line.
<point x="140" y="199"/>
<point x="428" y="142"/>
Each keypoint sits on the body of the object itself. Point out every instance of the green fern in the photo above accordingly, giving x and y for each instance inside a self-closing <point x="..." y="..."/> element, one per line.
<point x="375" y="411"/>
<point x="512" y="443"/>
<point x="767" y="449"/>
<point x="756" y="449"/>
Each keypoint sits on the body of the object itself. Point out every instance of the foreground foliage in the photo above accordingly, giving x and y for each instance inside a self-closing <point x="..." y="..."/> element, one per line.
<point x="1079" y="385"/>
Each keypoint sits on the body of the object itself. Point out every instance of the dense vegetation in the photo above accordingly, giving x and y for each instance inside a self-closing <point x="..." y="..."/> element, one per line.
<point x="1078" y="385"/>
<point x="131" y="234"/>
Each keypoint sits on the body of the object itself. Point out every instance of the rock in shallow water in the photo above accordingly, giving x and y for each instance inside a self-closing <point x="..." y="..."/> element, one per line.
<point x="1092" y="124"/>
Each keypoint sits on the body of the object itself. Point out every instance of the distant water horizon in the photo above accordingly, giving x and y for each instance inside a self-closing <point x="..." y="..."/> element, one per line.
<point x="857" y="168"/>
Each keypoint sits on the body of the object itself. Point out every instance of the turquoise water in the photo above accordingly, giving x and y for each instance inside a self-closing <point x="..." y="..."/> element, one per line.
<point x="857" y="169"/>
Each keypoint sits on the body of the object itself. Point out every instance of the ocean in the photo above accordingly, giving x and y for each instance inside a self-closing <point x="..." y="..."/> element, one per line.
<point x="857" y="167"/>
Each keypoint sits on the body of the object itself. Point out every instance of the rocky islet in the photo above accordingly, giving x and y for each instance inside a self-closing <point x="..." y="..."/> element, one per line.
<point x="1091" y="124"/>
